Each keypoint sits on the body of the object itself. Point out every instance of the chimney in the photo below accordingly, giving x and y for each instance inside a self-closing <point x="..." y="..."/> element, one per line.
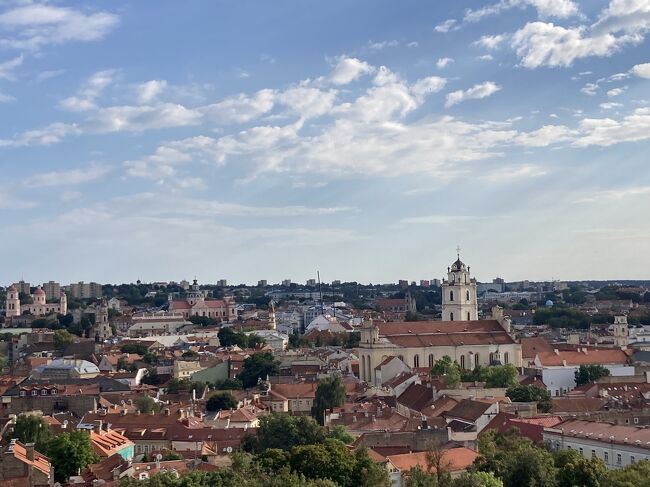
<point x="556" y="351"/>
<point x="100" y="425"/>
<point x="29" y="451"/>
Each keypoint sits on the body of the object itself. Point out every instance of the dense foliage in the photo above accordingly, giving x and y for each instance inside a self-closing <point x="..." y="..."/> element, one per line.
<point x="258" y="366"/>
<point x="590" y="373"/>
<point x="329" y="393"/>
<point x="531" y="393"/>
<point x="221" y="400"/>
<point x="558" y="317"/>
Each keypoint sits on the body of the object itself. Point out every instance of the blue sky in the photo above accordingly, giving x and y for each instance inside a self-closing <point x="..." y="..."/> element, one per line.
<point x="265" y="140"/>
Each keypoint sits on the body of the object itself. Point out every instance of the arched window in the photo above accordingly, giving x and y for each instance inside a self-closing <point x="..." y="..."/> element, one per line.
<point x="506" y="358"/>
<point x="462" y="362"/>
<point x="468" y="316"/>
<point x="451" y="295"/>
<point x="491" y="358"/>
<point x="476" y="360"/>
<point x="431" y="360"/>
<point x="416" y="361"/>
<point x="467" y="295"/>
<point x="451" y="316"/>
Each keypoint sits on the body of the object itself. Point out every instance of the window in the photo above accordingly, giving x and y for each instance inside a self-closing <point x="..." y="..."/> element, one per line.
<point x="34" y="392"/>
<point x="491" y="358"/>
<point x="632" y="459"/>
<point x="606" y="457"/>
<point x="451" y="316"/>
<point x="636" y="420"/>
<point x="451" y="295"/>
<point x="593" y="453"/>
<point x="619" y="459"/>
<point x="431" y="360"/>
<point x="416" y="361"/>
<point x="462" y="361"/>
<point x="468" y="316"/>
<point x="581" y="451"/>
<point x="506" y="358"/>
<point x="467" y="295"/>
<point x="476" y="360"/>
<point x="44" y="392"/>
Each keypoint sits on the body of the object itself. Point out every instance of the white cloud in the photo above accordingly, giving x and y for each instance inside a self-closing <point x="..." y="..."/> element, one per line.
<point x="378" y="46"/>
<point x="477" y="91"/>
<point x="92" y="88"/>
<point x="67" y="178"/>
<point x="642" y="70"/>
<point x="33" y="26"/>
<point x="4" y="98"/>
<point x="485" y="57"/>
<point x="609" y="106"/>
<point x="437" y="219"/>
<point x="149" y="91"/>
<point x="7" y="68"/>
<point x="68" y="196"/>
<point x="607" y="131"/>
<point x="545" y="8"/>
<point x="490" y="41"/>
<point x="589" y="89"/>
<point x="447" y="26"/>
<point x="308" y="102"/>
<point x="615" y="194"/>
<point x="511" y="173"/>
<point x="242" y="108"/>
<point x="348" y="69"/>
<point x="443" y="62"/>
<point x="623" y="22"/>
<point x="546" y="135"/>
<point x="616" y="91"/>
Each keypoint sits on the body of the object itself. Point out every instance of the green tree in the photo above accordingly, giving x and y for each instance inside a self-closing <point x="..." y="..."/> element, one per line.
<point x="146" y="404"/>
<point x="62" y="339"/>
<point x="282" y="431"/>
<point x="151" y="377"/>
<point x="590" y="373"/>
<point x="574" y="469"/>
<point x="635" y="475"/>
<point x="449" y="370"/>
<point x="137" y="348"/>
<point x="32" y="429"/>
<point x="340" y="432"/>
<point x="515" y="460"/>
<point x="258" y="366"/>
<point x="221" y="400"/>
<point x="477" y="479"/>
<point x="329" y="460"/>
<point x="419" y="478"/>
<point x="531" y="393"/>
<point x="329" y="393"/>
<point x="70" y="452"/>
<point x="228" y="384"/>
<point x="500" y="375"/>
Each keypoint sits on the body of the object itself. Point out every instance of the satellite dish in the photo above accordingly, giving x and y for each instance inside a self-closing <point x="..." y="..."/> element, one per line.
<point x="229" y="449"/>
<point x="65" y="423"/>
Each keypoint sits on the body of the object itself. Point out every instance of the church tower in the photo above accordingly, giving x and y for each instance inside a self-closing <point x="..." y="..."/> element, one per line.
<point x="12" y="303"/>
<point x="102" y="327"/>
<point x="459" y="301"/>
<point x="621" y="332"/>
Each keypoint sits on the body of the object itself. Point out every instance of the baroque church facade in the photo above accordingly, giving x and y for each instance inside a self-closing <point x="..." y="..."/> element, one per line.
<point x="38" y="307"/>
<point x="460" y="335"/>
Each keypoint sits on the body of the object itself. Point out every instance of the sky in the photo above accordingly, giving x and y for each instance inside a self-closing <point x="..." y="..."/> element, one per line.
<point x="163" y="140"/>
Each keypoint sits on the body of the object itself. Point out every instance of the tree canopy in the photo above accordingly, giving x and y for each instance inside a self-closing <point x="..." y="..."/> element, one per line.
<point x="590" y="373"/>
<point x="531" y="393"/>
<point x="329" y="393"/>
<point x="221" y="400"/>
<point x="258" y="366"/>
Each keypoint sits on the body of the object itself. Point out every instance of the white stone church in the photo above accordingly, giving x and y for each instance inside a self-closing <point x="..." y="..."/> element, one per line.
<point x="460" y="335"/>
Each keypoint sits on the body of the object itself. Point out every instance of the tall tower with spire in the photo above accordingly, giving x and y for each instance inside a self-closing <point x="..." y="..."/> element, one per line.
<point x="459" y="302"/>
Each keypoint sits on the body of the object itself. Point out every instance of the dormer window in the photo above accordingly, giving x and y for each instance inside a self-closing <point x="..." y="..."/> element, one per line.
<point x="23" y="393"/>
<point x="44" y="392"/>
<point x="53" y="392"/>
<point x="34" y="392"/>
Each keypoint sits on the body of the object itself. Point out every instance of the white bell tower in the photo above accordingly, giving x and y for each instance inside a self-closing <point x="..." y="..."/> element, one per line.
<point x="459" y="301"/>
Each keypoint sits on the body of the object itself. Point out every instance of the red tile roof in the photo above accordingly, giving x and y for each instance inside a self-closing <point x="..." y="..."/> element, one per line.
<point x="590" y="357"/>
<point x="444" y="333"/>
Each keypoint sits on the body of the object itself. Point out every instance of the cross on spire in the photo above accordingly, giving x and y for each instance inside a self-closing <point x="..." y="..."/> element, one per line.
<point x="458" y="251"/>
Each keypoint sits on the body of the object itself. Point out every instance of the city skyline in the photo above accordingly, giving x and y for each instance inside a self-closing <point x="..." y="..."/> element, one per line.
<point x="162" y="141"/>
